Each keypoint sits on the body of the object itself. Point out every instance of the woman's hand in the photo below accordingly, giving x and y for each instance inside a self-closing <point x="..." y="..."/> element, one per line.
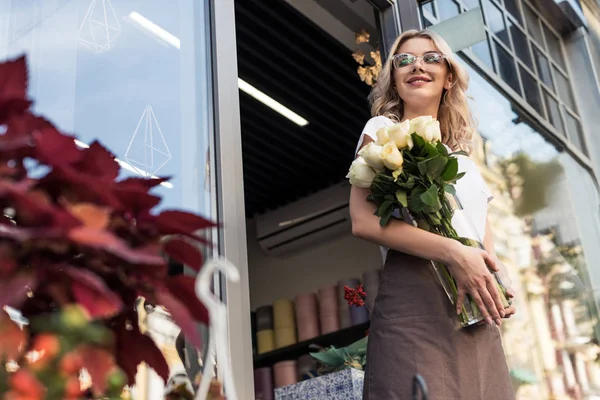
<point x="469" y="266"/>
<point x="511" y="310"/>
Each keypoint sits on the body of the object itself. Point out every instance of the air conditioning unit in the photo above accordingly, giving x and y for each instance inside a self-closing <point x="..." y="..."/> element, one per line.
<point x="314" y="219"/>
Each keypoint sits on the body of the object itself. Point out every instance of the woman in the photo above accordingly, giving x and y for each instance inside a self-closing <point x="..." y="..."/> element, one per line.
<point x="414" y="328"/>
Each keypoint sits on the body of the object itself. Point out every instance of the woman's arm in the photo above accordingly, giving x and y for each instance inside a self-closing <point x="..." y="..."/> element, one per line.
<point x="467" y="264"/>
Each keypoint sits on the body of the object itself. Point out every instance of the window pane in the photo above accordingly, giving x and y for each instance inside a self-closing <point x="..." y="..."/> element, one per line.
<point x="564" y="89"/>
<point x="482" y="51"/>
<point x="512" y="7"/>
<point x="532" y="90"/>
<point x="574" y="132"/>
<point x="553" y="111"/>
<point x="506" y="64"/>
<point x="429" y="8"/>
<point x="543" y="68"/>
<point x="533" y="25"/>
<point x="554" y="47"/>
<point x="521" y="46"/>
<point x="471" y="4"/>
<point x="447" y="9"/>
<point x="495" y="21"/>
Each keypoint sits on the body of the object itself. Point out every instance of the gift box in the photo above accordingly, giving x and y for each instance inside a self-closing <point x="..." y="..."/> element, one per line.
<point x="342" y="385"/>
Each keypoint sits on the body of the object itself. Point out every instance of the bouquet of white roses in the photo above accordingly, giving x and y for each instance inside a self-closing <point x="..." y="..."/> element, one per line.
<point x="409" y="169"/>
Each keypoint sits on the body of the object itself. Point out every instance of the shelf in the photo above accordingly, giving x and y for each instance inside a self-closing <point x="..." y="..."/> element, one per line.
<point x="341" y="338"/>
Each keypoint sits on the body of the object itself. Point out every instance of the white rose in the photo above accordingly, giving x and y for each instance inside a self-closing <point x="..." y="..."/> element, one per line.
<point x="383" y="136"/>
<point x="391" y="156"/>
<point x="371" y="153"/>
<point x="418" y="125"/>
<point x="400" y="135"/>
<point x="361" y="174"/>
<point x="432" y="131"/>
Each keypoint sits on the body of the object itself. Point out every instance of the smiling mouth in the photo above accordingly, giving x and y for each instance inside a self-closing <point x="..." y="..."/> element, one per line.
<point x="420" y="79"/>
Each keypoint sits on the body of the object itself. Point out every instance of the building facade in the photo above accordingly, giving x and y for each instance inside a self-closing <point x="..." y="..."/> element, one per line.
<point x="160" y="83"/>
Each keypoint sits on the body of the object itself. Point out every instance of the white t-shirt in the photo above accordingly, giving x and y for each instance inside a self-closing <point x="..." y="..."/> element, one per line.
<point x="472" y="191"/>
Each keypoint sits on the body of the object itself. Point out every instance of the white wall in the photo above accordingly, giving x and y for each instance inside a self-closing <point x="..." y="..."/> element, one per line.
<point x="306" y="270"/>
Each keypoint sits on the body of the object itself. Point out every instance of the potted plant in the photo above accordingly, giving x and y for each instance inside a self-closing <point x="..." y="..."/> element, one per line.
<point x="78" y="247"/>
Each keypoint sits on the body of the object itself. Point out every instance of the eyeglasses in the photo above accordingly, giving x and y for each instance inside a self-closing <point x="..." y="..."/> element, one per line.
<point x="406" y="59"/>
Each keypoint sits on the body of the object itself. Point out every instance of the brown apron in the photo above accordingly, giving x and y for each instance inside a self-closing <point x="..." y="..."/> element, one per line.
<point x="414" y="330"/>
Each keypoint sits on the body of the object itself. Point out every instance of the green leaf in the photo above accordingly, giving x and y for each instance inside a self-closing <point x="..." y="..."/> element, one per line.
<point x="423" y="167"/>
<point x="442" y="149"/>
<point x="457" y="177"/>
<point x="431" y="150"/>
<point x="330" y="357"/>
<point x="450" y="189"/>
<point x="430" y="196"/>
<point x="402" y="197"/>
<point x="435" y="166"/>
<point x="460" y="153"/>
<point x="389" y="197"/>
<point x="418" y="141"/>
<point x="450" y="170"/>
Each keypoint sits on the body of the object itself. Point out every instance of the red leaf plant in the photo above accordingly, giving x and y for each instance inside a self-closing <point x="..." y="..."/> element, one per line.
<point x="78" y="247"/>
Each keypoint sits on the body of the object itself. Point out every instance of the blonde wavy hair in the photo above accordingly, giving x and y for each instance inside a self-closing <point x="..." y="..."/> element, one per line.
<point x="456" y="121"/>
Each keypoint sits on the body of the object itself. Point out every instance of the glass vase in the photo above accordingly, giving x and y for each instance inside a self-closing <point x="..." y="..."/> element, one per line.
<point x="456" y="224"/>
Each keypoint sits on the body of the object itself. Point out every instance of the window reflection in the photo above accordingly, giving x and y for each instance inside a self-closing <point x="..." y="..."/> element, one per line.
<point x="542" y="233"/>
<point x="447" y="9"/>
<point x="506" y="64"/>
<point x="97" y="74"/>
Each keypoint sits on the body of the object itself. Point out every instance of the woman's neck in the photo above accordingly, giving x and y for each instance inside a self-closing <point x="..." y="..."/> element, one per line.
<point x="410" y="113"/>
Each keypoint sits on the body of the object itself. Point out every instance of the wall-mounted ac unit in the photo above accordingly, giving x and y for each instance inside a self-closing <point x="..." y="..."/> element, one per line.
<point x="314" y="219"/>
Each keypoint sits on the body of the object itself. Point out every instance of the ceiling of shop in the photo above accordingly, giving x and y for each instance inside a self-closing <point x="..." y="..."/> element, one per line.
<point x="286" y="56"/>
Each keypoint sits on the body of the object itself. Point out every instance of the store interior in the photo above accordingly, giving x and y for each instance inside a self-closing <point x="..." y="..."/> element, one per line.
<point x="300" y="54"/>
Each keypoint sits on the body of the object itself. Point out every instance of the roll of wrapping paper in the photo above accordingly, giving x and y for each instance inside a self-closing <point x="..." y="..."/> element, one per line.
<point x="253" y="330"/>
<point x="329" y="309"/>
<point x="371" y="286"/>
<point x="264" y="318"/>
<point x="284" y="337"/>
<point x="265" y="341"/>
<point x="263" y="384"/>
<point x="285" y="373"/>
<point x="283" y="314"/>
<point x="358" y="315"/>
<point x="307" y="316"/>
<point x="345" y="320"/>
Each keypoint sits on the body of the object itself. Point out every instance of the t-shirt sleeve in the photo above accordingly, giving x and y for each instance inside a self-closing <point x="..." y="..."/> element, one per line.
<point x="371" y="128"/>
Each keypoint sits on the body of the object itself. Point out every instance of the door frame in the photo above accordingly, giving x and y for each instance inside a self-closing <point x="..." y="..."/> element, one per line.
<point x="229" y="169"/>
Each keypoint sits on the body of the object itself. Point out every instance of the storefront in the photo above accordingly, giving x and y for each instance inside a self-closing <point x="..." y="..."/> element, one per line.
<point x="257" y="121"/>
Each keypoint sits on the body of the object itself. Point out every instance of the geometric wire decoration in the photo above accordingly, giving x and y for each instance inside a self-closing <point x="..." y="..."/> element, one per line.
<point x="100" y="26"/>
<point x="147" y="151"/>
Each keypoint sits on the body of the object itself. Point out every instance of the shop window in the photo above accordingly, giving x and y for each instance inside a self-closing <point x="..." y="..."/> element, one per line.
<point x="543" y="67"/>
<point x="531" y="90"/>
<point x="447" y="9"/>
<point x="520" y="44"/>
<point x="512" y="6"/>
<point x="545" y="221"/>
<point x="495" y="21"/>
<point x="506" y="65"/>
